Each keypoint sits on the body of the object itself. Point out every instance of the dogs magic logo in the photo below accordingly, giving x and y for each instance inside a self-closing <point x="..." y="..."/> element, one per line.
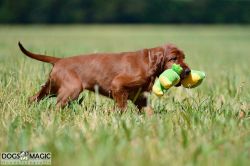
<point x="26" y="158"/>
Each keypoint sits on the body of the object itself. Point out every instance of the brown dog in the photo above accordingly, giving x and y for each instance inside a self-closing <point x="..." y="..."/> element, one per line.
<point x="118" y="75"/>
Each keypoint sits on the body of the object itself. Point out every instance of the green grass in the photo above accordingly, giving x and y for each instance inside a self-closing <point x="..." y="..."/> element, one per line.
<point x="201" y="126"/>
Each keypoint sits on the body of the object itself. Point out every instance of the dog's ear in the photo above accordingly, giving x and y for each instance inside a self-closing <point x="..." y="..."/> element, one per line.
<point x="156" y="60"/>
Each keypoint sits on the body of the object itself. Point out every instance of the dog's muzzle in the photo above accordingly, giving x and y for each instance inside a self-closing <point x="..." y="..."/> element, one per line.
<point x="183" y="75"/>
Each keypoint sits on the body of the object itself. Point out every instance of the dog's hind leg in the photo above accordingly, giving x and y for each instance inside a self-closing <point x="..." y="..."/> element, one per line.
<point x="68" y="93"/>
<point x="45" y="91"/>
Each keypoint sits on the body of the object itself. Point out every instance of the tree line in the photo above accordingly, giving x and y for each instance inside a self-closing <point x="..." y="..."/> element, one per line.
<point x="125" y="11"/>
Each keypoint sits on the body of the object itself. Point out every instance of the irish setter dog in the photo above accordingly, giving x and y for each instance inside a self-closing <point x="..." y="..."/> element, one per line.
<point x="118" y="75"/>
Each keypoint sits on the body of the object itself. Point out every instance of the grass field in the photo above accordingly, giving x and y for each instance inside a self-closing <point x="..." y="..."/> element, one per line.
<point x="209" y="125"/>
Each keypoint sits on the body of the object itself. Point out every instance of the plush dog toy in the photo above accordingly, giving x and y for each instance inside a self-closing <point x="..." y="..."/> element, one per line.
<point x="167" y="79"/>
<point x="158" y="88"/>
<point x="194" y="79"/>
<point x="171" y="77"/>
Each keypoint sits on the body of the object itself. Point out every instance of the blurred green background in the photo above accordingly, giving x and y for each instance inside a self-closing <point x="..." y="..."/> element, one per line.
<point x="125" y="11"/>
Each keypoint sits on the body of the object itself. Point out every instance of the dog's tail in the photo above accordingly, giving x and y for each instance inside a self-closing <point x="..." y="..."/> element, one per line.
<point x="39" y="57"/>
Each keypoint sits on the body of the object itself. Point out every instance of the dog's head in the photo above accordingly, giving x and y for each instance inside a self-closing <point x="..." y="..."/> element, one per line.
<point x="169" y="54"/>
<point x="175" y="55"/>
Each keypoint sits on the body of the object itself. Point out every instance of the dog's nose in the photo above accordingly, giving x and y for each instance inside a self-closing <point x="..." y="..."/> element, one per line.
<point x="187" y="71"/>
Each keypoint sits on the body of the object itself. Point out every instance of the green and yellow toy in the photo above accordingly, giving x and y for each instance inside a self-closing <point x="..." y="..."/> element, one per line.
<point x="167" y="79"/>
<point x="171" y="77"/>
<point x="158" y="88"/>
<point x="194" y="79"/>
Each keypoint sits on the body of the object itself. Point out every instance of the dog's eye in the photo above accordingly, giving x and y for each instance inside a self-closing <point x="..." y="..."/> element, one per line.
<point x="173" y="59"/>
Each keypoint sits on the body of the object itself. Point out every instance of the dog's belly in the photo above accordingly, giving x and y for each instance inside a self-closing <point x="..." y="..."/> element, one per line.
<point x="101" y="91"/>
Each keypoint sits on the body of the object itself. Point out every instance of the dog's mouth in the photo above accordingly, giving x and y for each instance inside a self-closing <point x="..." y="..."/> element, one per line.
<point x="179" y="84"/>
<point x="183" y="75"/>
<point x="181" y="78"/>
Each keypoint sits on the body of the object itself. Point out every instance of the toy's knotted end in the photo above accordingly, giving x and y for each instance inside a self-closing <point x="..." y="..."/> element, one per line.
<point x="177" y="68"/>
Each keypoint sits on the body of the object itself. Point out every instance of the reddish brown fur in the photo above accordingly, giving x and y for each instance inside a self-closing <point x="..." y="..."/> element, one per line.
<point x="118" y="75"/>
